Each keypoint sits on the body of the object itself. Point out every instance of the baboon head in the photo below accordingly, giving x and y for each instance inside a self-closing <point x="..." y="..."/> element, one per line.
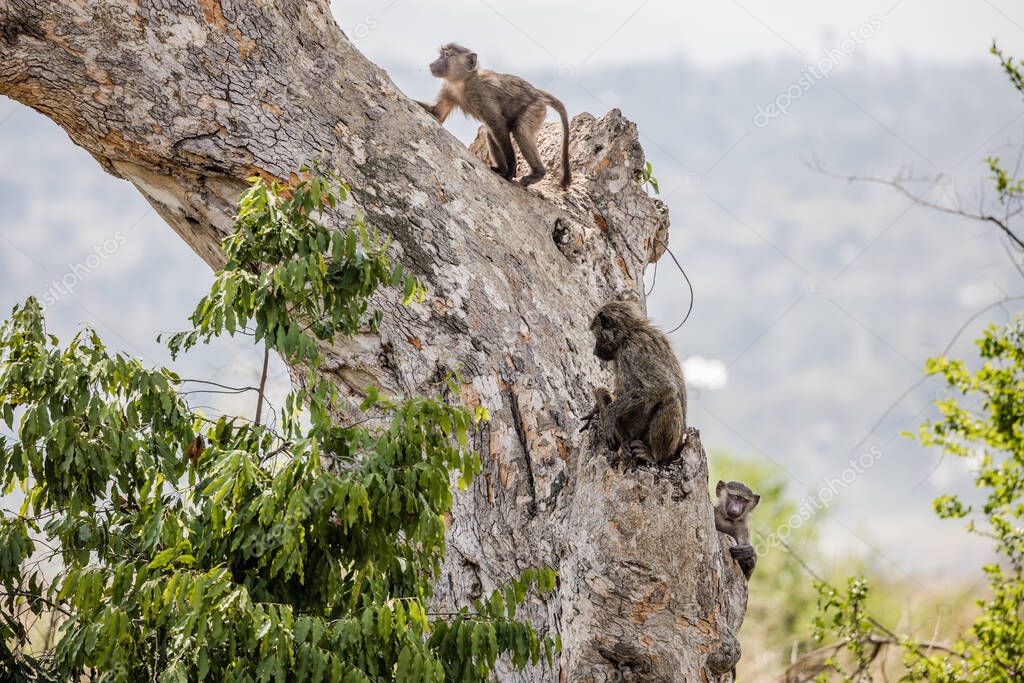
<point x="454" y="63"/>
<point x="612" y="323"/>
<point x="735" y="499"/>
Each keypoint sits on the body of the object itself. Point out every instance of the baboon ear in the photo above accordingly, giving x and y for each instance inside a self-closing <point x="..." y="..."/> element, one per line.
<point x="757" y="499"/>
<point x="471" y="61"/>
<point x="718" y="487"/>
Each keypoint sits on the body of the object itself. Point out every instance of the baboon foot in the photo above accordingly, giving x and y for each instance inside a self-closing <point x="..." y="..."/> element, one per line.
<point x="504" y="173"/>
<point x="528" y="180"/>
<point x="638" y="450"/>
<point x="612" y="441"/>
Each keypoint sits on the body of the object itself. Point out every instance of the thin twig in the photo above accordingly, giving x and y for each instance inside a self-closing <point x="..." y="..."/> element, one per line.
<point x="231" y="392"/>
<point x="263" y="384"/>
<point x="222" y="386"/>
<point x="897" y="184"/>
<point x="1013" y="259"/>
<point x="37" y="598"/>
<point x="654" y="280"/>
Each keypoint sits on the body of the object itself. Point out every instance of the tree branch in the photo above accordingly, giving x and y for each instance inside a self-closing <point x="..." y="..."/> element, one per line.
<point x="898" y="184"/>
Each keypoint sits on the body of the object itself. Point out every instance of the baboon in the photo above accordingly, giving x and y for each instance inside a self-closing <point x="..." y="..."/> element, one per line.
<point x="507" y="105"/>
<point x="735" y="502"/>
<point x="647" y="414"/>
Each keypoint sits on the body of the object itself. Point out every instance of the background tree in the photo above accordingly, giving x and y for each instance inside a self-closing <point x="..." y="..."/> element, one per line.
<point x="985" y="426"/>
<point x="992" y="648"/>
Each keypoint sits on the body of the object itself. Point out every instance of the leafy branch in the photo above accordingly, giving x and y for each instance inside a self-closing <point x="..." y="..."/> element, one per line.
<point x="193" y="548"/>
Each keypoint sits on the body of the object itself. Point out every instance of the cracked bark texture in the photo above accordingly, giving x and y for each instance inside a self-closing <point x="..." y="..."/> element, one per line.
<point x="185" y="99"/>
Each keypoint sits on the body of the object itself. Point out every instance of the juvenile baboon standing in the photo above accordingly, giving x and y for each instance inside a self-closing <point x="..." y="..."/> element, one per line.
<point x="508" y="107"/>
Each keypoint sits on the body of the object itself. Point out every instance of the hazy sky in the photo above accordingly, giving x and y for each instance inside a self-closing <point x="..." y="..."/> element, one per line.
<point x="531" y="34"/>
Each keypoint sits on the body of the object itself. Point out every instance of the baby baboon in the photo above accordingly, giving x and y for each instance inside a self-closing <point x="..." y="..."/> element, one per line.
<point x="648" y="412"/>
<point x="506" y="105"/>
<point x="735" y="501"/>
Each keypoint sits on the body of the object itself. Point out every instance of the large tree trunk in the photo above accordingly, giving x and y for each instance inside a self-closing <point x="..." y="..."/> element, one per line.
<point x="186" y="98"/>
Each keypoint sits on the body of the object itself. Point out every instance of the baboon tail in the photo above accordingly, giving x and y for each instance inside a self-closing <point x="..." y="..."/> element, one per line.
<point x="557" y="105"/>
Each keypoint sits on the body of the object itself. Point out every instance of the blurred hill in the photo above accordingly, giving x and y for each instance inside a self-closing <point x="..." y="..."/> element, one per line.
<point x="817" y="301"/>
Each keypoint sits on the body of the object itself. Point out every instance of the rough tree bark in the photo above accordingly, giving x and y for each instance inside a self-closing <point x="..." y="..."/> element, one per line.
<point x="186" y="98"/>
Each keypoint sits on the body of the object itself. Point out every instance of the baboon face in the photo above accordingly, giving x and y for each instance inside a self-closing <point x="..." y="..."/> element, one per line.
<point x="453" y="63"/>
<point x="736" y="499"/>
<point x="611" y="324"/>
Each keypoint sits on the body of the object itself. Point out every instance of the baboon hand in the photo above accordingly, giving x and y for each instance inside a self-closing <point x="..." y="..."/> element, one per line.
<point x="588" y="419"/>
<point x="742" y="552"/>
<point x="602" y="397"/>
<point x="745" y="557"/>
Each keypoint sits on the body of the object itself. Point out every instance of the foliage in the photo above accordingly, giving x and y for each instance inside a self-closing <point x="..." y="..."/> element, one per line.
<point x="292" y="275"/>
<point x="843" y="614"/>
<point x="1011" y="69"/>
<point x="992" y="438"/>
<point x="1009" y="189"/>
<point x="190" y="549"/>
<point x="647" y="179"/>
